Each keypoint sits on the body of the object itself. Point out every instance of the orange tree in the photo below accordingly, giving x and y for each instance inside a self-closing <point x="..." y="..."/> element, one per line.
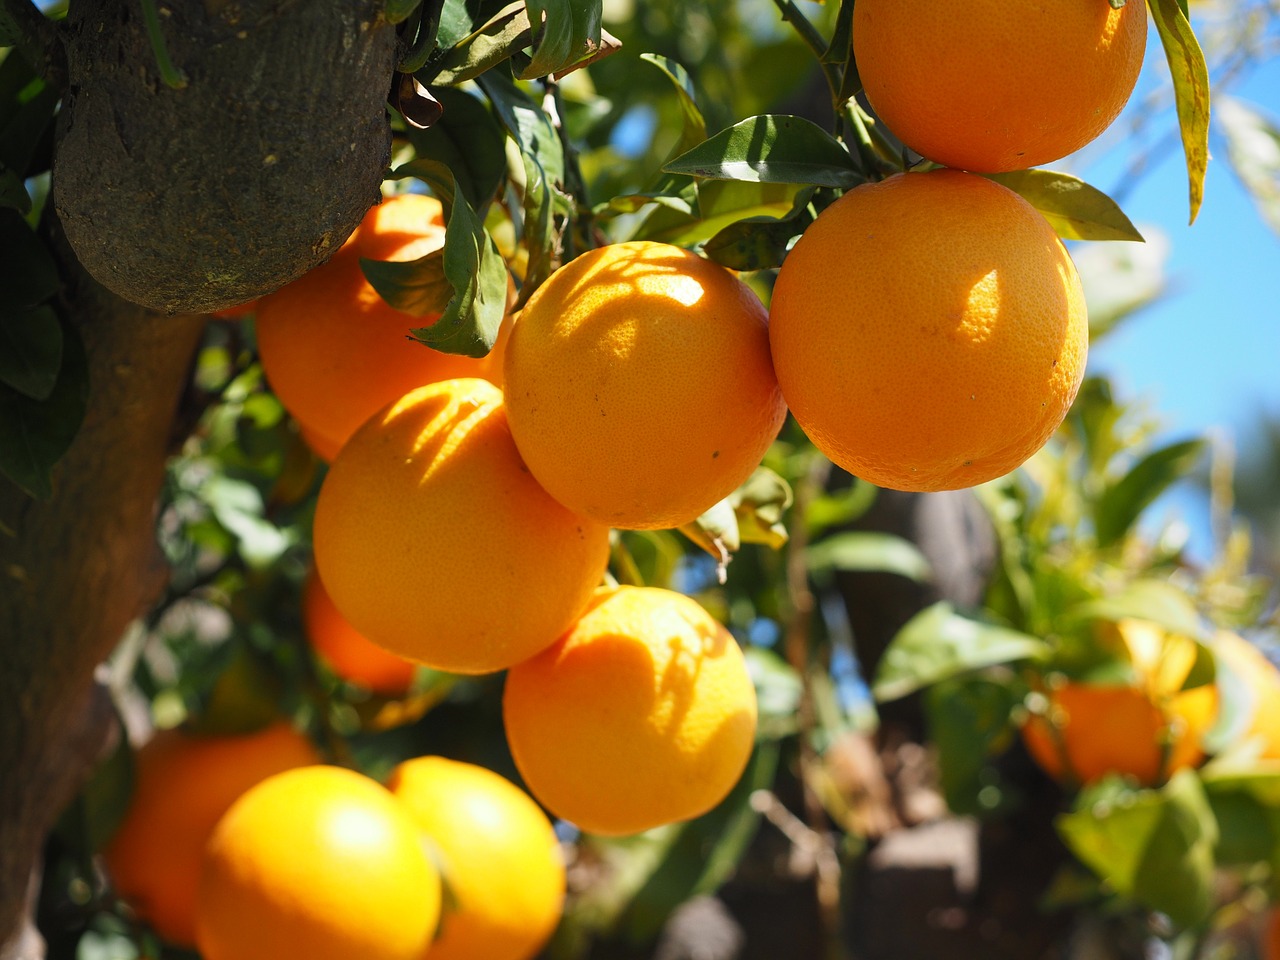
<point x="1064" y="741"/>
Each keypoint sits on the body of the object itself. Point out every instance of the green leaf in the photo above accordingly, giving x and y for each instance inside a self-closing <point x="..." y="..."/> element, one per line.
<point x="778" y="692"/>
<point x="1156" y="600"/>
<point x="496" y="40"/>
<point x="719" y="204"/>
<point x="840" y="50"/>
<point x="239" y="507"/>
<point x="569" y="34"/>
<point x="34" y="434"/>
<point x="1121" y="278"/>
<point x="1155" y="847"/>
<point x="937" y="644"/>
<point x="705" y="852"/>
<point x="1191" y="91"/>
<point x="716" y="532"/>
<point x="1246" y="828"/>
<point x="840" y="507"/>
<point x="760" y="505"/>
<point x="13" y="191"/>
<point x="969" y="722"/>
<point x="472" y="266"/>
<point x="467" y="140"/>
<point x="20" y="137"/>
<point x="771" y="149"/>
<point x="693" y="130"/>
<point x="28" y="274"/>
<point x="416" y="287"/>
<point x="867" y="551"/>
<point x="30" y="350"/>
<point x="1122" y="503"/>
<point x="1075" y="210"/>
<point x="1253" y="149"/>
<point x="398" y="11"/>
<point x="102" y="804"/>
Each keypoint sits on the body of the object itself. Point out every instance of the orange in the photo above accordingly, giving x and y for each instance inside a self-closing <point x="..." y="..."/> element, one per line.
<point x="334" y="351"/>
<point x="498" y="855"/>
<point x="437" y="544"/>
<point x="1262" y="679"/>
<point x="929" y="331"/>
<point x="642" y="714"/>
<point x="1271" y="950"/>
<point x="347" y="652"/>
<point x="639" y="385"/>
<point x="183" y="784"/>
<point x="990" y="87"/>
<point x="1125" y="729"/>
<point x="319" y="862"/>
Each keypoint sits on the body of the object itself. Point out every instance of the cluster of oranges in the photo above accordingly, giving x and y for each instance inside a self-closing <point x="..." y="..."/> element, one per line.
<point x="249" y="848"/>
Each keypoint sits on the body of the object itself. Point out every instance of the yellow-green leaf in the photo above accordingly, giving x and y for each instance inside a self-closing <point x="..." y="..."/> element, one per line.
<point x="1191" y="91"/>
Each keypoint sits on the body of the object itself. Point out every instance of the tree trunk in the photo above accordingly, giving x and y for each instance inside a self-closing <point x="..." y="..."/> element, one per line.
<point x="74" y="570"/>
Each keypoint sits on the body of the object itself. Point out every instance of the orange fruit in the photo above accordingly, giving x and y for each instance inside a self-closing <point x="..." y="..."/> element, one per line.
<point x="1125" y="729"/>
<point x="183" y="784"/>
<point x="347" y="652"/>
<point x="1271" y="950"/>
<point x="437" y="544"/>
<point x="319" y="862"/>
<point x="990" y="88"/>
<point x="642" y="714"/>
<point x="929" y="331"/>
<point x="334" y="351"/>
<point x="1251" y="666"/>
<point x="498" y="855"/>
<point x="639" y="385"/>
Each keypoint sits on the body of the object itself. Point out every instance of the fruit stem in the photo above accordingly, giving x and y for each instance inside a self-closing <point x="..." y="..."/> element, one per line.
<point x="810" y="35"/>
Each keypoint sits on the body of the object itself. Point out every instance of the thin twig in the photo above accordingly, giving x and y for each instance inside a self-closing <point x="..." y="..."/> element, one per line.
<point x="810" y="35"/>
<point x="38" y="40"/>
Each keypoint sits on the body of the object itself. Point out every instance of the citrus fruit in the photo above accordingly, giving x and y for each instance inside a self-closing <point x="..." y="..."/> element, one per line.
<point x="989" y="87"/>
<point x="1260" y="676"/>
<point x="642" y="714"/>
<point x="346" y="651"/>
<point x="318" y="862"/>
<point x="334" y="351"/>
<point x="183" y="784"/>
<point x="929" y="331"/>
<point x="1147" y="730"/>
<point x="498" y="855"/>
<point x="639" y="384"/>
<point x="437" y="544"/>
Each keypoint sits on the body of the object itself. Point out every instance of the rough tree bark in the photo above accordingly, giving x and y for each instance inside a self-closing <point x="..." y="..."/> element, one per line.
<point x="74" y="570"/>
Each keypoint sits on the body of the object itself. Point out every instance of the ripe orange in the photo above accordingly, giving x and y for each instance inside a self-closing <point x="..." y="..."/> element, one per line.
<point x="929" y="331"/>
<point x="1260" y="675"/>
<point x="1271" y="949"/>
<point x="334" y="352"/>
<point x="642" y="714"/>
<point x="498" y="855"/>
<point x="988" y="87"/>
<point x="639" y="385"/>
<point x="437" y="544"/>
<point x="1125" y="729"/>
<point x="347" y="652"/>
<point x="319" y="862"/>
<point x="183" y="785"/>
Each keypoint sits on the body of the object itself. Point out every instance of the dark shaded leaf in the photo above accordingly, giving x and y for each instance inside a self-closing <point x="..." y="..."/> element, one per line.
<point x="1191" y="91"/>
<point x="969" y="722"/>
<point x="840" y="50"/>
<point x="468" y="140"/>
<point x="937" y="644"/>
<point x="21" y="135"/>
<point x="1122" y="503"/>
<point x="1075" y="210"/>
<point x="771" y="149"/>
<point x="34" y="434"/>
<point x="28" y="274"/>
<point x="756" y="243"/>
<point x="565" y="32"/>
<point x="13" y="191"/>
<point x="30" y="350"/>
<point x="398" y="10"/>
<point x="498" y="39"/>
<point x="416" y="287"/>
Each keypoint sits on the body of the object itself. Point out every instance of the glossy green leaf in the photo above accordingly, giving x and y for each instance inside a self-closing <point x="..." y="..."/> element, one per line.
<point x="1153" y="846"/>
<point x="969" y="722"/>
<point x="28" y="274"/>
<point x="13" y="191"/>
<point x="1156" y="600"/>
<point x="416" y="287"/>
<point x="720" y="204"/>
<point x="492" y="42"/>
<point x="869" y="551"/>
<point x="1191" y="91"/>
<point x="1253" y="150"/>
<point x="569" y="33"/>
<point x="471" y="265"/>
<point x="771" y="149"/>
<point x="30" y="350"/>
<point x="937" y="644"/>
<point x="34" y="434"/>
<point x="1122" y="503"/>
<point x="468" y="140"/>
<point x="1075" y="210"/>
